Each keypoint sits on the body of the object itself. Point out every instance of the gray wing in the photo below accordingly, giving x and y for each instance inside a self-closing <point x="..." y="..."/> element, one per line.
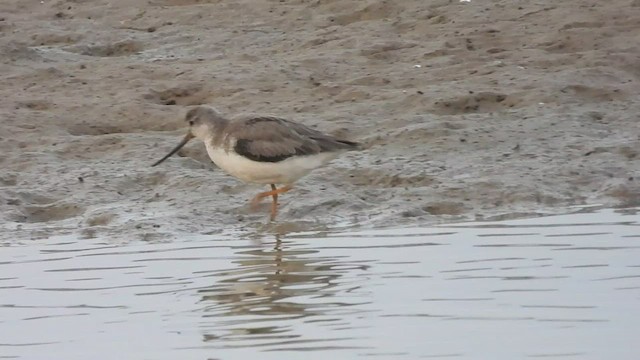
<point x="272" y="139"/>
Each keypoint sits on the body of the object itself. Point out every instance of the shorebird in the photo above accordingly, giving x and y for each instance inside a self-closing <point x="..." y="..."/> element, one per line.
<point x="261" y="149"/>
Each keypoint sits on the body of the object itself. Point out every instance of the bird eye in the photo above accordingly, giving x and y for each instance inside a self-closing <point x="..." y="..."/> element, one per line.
<point x="191" y="122"/>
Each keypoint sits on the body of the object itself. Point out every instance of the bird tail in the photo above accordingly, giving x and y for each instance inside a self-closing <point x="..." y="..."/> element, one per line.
<point x="350" y="145"/>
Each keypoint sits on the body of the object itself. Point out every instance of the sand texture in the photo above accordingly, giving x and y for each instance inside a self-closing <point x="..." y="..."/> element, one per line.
<point x="467" y="110"/>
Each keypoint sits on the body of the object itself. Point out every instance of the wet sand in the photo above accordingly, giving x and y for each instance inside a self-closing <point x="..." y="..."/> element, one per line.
<point x="469" y="110"/>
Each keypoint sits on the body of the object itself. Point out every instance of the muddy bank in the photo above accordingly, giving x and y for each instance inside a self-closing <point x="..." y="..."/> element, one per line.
<point x="467" y="110"/>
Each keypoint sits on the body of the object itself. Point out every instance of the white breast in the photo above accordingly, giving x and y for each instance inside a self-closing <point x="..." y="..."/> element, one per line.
<point x="283" y="172"/>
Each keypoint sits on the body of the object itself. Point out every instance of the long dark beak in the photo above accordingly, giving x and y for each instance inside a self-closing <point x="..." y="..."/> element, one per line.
<point x="184" y="142"/>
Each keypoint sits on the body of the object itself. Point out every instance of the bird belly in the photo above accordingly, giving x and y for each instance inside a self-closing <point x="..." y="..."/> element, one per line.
<point x="283" y="172"/>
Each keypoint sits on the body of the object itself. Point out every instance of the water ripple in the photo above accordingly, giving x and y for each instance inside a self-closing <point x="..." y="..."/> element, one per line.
<point x="450" y="291"/>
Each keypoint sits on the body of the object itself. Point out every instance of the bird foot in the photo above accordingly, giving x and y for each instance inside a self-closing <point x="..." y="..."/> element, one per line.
<point x="255" y="202"/>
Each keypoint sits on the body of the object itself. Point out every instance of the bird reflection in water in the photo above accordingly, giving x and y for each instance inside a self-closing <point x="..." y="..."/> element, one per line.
<point x="274" y="287"/>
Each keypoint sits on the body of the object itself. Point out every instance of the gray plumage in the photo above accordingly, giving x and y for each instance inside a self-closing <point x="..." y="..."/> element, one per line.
<point x="266" y="138"/>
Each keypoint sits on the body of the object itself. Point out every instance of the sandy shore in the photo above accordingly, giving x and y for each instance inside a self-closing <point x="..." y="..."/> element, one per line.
<point x="468" y="110"/>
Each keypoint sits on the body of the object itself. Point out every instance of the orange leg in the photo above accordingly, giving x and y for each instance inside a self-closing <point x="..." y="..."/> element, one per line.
<point x="273" y="193"/>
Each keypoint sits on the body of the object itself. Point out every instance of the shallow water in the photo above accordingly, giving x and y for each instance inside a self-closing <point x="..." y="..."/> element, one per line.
<point x="551" y="287"/>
